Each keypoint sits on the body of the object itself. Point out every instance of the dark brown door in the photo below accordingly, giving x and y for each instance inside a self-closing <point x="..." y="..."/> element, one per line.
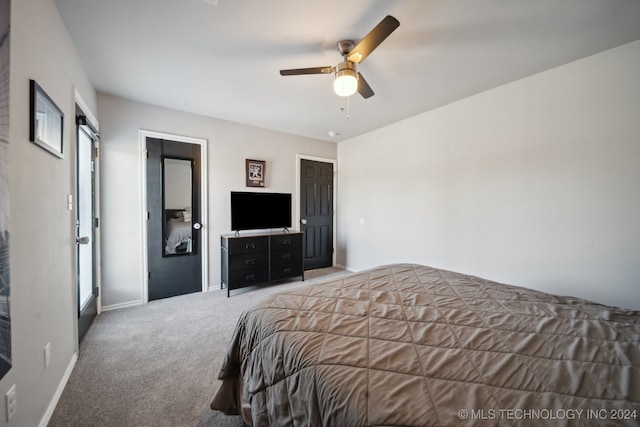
<point x="316" y="213"/>
<point x="173" y="226"/>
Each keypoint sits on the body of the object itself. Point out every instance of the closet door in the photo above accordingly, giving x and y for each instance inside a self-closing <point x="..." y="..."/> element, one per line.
<point x="316" y="213"/>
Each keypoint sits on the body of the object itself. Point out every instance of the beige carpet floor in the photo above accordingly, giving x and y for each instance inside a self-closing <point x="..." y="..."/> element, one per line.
<point x="157" y="364"/>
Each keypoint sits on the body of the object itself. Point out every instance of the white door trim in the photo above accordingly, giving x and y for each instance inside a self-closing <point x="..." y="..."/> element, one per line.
<point x="335" y="194"/>
<point x="143" y="135"/>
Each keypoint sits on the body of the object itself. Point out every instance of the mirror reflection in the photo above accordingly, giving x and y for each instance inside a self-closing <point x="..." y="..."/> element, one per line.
<point x="177" y="190"/>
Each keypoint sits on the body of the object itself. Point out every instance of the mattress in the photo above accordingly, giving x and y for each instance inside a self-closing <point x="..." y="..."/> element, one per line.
<point x="410" y="345"/>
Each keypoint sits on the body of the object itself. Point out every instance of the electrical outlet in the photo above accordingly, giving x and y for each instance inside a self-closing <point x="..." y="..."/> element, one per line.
<point x="12" y="403"/>
<point x="47" y="355"/>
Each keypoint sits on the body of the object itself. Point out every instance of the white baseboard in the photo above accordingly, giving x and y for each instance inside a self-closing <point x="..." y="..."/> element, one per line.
<point x="351" y="270"/>
<point x="121" y="305"/>
<point x="54" y="401"/>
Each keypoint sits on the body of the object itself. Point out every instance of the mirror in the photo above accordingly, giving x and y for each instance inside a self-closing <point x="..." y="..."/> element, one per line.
<point x="177" y="190"/>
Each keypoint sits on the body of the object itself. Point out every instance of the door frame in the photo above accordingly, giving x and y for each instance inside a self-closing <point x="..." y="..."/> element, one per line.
<point x="334" y="162"/>
<point x="204" y="233"/>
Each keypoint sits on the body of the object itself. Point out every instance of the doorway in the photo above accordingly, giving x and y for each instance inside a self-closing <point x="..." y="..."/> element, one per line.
<point x="87" y="145"/>
<point x="317" y="199"/>
<point x="176" y="208"/>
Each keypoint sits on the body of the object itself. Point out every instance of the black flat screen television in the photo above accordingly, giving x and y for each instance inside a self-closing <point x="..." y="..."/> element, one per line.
<point x="255" y="211"/>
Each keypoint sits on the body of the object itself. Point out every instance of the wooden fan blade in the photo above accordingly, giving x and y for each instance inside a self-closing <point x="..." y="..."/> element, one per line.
<point x="363" y="87"/>
<point x="301" y="71"/>
<point x="373" y="39"/>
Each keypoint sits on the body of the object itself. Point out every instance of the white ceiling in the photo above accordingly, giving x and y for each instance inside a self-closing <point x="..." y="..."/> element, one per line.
<point x="223" y="60"/>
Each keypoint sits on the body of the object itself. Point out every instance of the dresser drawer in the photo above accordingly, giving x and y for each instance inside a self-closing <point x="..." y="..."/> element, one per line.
<point x="282" y="256"/>
<point x="248" y="260"/>
<point x="283" y="271"/>
<point x="243" y="245"/>
<point x="284" y="241"/>
<point x="248" y="277"/>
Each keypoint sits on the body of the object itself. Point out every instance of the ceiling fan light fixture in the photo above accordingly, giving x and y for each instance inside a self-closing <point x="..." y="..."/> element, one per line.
<point x="346" y="80"/>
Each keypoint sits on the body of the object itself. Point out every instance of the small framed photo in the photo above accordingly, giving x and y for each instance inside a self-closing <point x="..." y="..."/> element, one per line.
<point x="45" y="121"/>
<point x="255" y="173"/>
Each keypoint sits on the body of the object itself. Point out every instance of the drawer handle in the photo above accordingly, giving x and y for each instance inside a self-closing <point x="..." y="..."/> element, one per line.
<point x="286" y="271"/>
<point x="250" y="277"/>
<point x="286" y="257"/>
<point x="250" y="262"/>
<point x="286" y="242"/>
<point x="250" y="246"/>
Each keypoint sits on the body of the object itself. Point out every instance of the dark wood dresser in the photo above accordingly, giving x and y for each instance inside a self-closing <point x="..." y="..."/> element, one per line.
<point x="255" y="259"/>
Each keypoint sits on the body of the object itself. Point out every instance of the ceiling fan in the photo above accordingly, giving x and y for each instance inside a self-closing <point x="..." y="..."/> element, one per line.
<point x="347" y="79"/>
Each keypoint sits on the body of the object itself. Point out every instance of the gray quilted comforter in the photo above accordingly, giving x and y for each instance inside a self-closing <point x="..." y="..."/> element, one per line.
<point x="409" y="345"/>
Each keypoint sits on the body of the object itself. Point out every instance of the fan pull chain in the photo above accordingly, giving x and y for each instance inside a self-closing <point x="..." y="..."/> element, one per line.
<point x="348" y="107"/>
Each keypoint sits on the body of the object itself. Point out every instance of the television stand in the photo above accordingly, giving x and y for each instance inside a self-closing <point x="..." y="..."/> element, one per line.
<point x="259" y="258"/>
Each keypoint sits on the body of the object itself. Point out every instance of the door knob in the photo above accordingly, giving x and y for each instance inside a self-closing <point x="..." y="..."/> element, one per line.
<point x="84" y="240"/>
<point x="197" y="225"/>
<point x="303" y="221"/>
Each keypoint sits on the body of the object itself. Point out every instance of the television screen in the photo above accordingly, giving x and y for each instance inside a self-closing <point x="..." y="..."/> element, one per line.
<point x="253" y="210"/>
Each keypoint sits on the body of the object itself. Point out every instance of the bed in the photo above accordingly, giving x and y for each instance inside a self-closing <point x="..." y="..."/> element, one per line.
<point x="178" y="231"/>
<point x="410" y="345"/>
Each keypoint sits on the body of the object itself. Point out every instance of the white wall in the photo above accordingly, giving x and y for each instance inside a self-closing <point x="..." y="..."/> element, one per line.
<point x="229" y="145"/>
<point x="43" y="289"/>
<point x="535" y="183"/>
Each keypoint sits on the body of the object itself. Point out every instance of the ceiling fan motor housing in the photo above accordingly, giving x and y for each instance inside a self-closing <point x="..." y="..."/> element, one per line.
<point x="346" y="67"/>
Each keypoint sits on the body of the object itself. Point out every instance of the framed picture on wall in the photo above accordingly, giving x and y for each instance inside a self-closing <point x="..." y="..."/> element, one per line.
<point x="255" y="173"/>
<point x="45" y="120"/>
